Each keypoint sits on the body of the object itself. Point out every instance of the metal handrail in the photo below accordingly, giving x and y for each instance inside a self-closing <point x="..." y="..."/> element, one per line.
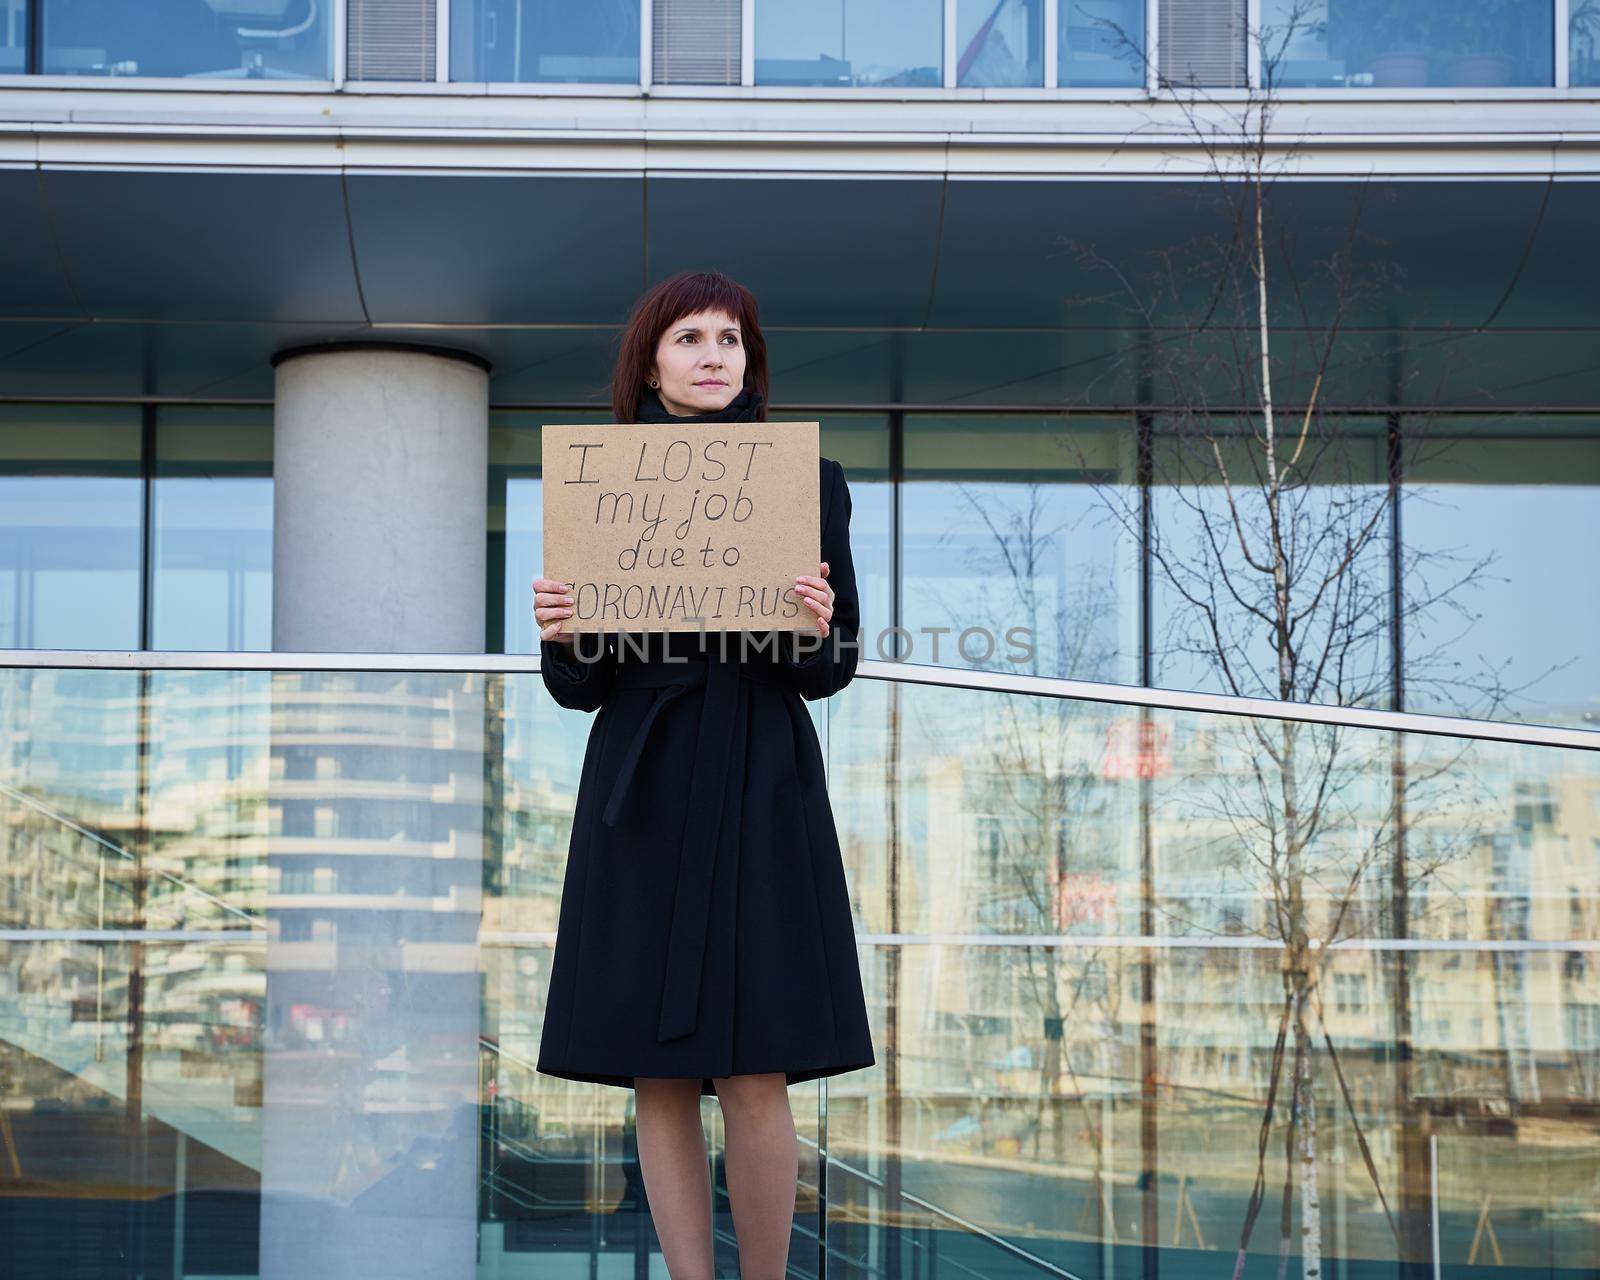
<point x="954" y="1219"/>
<point x="933" y="1210"/>
<point x="870" y="669"/>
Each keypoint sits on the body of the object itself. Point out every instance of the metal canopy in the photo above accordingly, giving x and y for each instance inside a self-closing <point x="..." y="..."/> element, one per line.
<point x="874" y="290"/>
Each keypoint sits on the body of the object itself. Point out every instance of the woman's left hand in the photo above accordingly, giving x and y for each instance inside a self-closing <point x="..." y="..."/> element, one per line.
<point x="819" y="595"/>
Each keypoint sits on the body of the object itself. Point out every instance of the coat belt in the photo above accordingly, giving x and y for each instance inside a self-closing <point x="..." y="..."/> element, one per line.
<point x="691" y="908"/>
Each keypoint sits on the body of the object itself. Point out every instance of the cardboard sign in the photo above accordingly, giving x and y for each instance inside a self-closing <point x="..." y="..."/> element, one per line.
<point x="664" y="527"/>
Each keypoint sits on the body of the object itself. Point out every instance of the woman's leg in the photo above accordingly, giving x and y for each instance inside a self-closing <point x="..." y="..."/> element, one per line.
<point x="763" y="1170"/>
<point x="672" y="1157"/>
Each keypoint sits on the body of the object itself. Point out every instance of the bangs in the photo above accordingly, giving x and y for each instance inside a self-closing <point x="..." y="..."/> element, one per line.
<point x="702" y="292"/>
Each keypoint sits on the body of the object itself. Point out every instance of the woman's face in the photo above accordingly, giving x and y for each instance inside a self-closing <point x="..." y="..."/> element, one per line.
<point x="699" y="363"/>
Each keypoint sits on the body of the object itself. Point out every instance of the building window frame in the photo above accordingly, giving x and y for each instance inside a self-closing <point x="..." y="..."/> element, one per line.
<point x="747" y="44"/>
<point x="1052" y="89"/>
<point x="1252" y="43"/>
<point x="441" y="40"/>
<point x="1052" y="44"/>
<point x="947" y="47"/>
<point x="1563" y="49"/>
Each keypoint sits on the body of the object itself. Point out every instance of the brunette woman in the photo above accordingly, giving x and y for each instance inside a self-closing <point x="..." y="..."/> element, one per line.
<point x="705" y="942"/>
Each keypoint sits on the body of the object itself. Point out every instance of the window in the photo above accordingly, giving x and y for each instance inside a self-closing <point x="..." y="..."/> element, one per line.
<point x="1338" y="494"/>
<point x="842" y="43"/>
<point x="999" y="43"/>
<point x="13" y="37"/>
<point x="1008" y="547"/>
<point x="258" y="40"/>
<point x="545" y="41"/>
<point x="1583" y="42"/>
<point x="71" y="511"/>
<point x="1507" y="509"/>
<point x="1381" y="44"/>
<point x="211" y="541"/>
<point x="1350" y="992"/>
<point x="73" y="568"/>
<point x="1102" y="44"/>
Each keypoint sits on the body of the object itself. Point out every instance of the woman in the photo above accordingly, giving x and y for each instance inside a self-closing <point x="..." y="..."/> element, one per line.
<point x="705" y="942"/>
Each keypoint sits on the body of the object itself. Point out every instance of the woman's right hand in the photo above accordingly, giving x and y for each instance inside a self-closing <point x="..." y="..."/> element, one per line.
<point x="551" y="604"/>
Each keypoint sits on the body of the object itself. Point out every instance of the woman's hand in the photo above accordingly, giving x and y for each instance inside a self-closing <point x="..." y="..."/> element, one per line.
<point x="551" y="604"/>
<point x="819" y="595"/>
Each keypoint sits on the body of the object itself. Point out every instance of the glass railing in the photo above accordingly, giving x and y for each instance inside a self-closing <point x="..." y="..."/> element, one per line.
<point x="1188" y="985"/>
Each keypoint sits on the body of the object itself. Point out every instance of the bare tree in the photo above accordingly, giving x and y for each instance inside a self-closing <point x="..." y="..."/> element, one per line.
<point x="1268" y="523"/>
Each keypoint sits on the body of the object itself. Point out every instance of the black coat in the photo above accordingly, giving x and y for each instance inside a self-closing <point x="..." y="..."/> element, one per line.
<point x="705" y="925"/>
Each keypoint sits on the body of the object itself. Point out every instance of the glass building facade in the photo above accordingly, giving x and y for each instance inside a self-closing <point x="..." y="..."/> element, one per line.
<point x="1101" y="44"/>
<point x="1127" y="965"/>
<point x="125" y="528"/>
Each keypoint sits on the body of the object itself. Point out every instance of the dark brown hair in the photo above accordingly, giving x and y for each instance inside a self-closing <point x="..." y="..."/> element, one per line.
<point x="668" y="301"/>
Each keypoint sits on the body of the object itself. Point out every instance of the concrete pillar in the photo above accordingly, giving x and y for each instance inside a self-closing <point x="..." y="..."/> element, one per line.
<point x="370" y="1062"/>
<point x="380" y="496"/>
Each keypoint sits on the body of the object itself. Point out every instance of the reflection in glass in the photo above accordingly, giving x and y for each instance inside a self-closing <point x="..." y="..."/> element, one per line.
<point x="89" y="755"/>
<point x="850" y="42"/>
<point x="1096" y="941"/>
<point x="370" y="1077"/>
<point x="545" y="41"/>
<point x="211" y="545"/>
<point x="999" y="43"/>
<point x="1501" y="518"/>
<point x="70" y="521"/>
<point x="71" y="512"/>
<point x="1102" y="44"/>
<point x="131" y="1081"/>
<point x="218" y="39"/>
<point x="1010" y="536"/>
<point x="1214" y="589"/>
<point x="1226" y="914"/>
<point x="859" y="442"/>
<point x="1583" y="42"/>
<point x="1380" y="44"/>
<point x="13" y="37"/>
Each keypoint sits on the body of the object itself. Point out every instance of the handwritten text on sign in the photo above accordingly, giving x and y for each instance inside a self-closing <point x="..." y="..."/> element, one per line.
<point x="665" y="527"/>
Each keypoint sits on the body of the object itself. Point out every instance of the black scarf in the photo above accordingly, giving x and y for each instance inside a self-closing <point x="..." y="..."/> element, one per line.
<point x="742" y="408"/>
